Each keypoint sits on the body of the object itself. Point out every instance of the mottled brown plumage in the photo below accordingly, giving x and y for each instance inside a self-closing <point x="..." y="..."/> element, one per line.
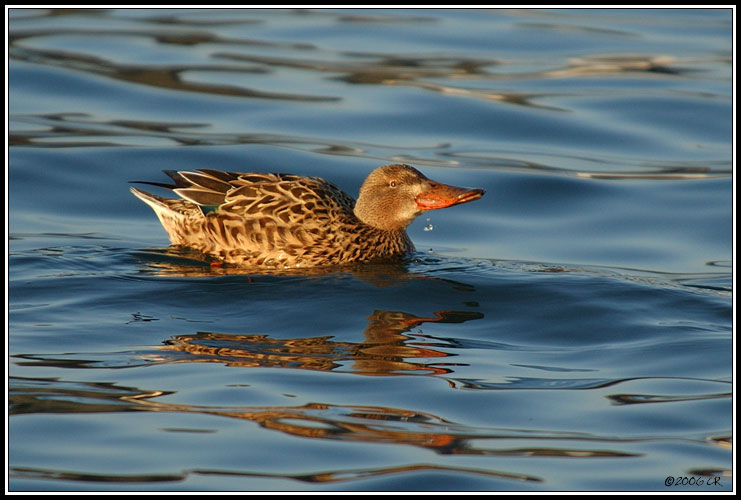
<point x="282" y="220"/>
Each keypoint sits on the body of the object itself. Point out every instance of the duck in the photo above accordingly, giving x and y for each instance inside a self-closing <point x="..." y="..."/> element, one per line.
<point x="280" y="220"/>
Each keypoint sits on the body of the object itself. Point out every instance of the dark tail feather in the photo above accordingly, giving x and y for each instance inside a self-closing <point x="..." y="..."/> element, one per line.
<point x="172" y="174"/>
<point x="158" y="184"/>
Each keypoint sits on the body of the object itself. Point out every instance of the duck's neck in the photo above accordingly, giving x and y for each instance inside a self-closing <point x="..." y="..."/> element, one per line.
<point x="367" y="214"/>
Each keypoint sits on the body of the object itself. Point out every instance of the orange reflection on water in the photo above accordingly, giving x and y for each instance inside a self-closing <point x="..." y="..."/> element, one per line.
<point x="387" y="349"/>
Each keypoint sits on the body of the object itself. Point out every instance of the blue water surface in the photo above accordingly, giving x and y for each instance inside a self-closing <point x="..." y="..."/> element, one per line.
<point x="570" y="331"/>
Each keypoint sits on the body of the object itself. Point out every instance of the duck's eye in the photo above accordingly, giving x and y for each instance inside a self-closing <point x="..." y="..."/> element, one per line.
<point x="392" y="184"/>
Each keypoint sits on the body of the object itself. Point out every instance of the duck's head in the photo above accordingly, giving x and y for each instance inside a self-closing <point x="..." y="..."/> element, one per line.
<point x="393" y="196"/>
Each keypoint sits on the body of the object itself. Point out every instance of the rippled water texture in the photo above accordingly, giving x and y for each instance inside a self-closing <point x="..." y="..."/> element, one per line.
<point x="572" y="330"/>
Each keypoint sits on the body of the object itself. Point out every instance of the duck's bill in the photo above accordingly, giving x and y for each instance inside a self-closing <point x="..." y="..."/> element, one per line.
<point x="443" y="195"/>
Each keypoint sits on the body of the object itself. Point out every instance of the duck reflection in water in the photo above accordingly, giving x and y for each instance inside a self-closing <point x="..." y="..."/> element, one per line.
<point x="387" y="349"/>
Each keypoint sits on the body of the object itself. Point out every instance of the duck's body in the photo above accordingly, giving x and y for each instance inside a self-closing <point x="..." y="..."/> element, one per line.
<point x="282" y="220"/>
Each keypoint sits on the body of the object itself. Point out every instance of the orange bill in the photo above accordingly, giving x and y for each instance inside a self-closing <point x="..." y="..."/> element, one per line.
<point x="443" y="195"/>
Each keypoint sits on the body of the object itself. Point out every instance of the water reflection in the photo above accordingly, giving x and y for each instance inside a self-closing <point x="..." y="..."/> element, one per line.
<point x="183" y="262"/>
<point x="79" y="129"/>
<point x="634" y="169"/>
<point x="350" y="423"/>
<point x="322" y="477"/>
<point x="169" y="77"/>
<point x="221" y="60"/>
<point x="386" y="350"/>
<point x="352" y="67"/>
<point x="366" y="423"/>
<point x="438" y="73"/>
<point x="76" y="129"/>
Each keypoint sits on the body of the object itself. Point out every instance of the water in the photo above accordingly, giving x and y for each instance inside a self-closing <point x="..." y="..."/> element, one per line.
<point x="572" y="330"/>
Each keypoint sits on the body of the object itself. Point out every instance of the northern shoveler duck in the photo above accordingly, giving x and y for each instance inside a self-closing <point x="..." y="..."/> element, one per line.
<point x="282" y="220"/>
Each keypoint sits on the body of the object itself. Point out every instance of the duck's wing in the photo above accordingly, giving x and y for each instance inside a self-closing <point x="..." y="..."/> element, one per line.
<point x="285" y="198"/>
<point x="289" y="199"/>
